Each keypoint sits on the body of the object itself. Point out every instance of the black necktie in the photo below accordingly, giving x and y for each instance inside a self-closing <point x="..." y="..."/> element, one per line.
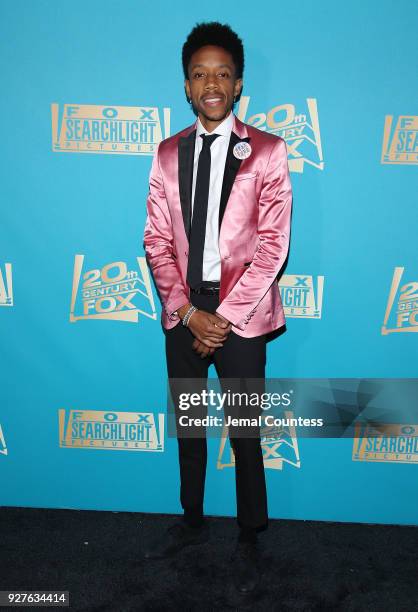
<point x="200" y="212"/>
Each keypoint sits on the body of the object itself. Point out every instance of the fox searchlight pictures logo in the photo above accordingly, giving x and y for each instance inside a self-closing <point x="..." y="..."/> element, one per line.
<point x="302" y="295"/>
<point x="400" y="143"/>
<point x="94" y="128"/>
<point x="110" y="430"/>
<point x="386" y="443"/>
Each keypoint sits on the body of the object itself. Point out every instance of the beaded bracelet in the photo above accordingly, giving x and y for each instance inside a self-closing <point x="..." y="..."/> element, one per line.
<point x="187" y="316"/>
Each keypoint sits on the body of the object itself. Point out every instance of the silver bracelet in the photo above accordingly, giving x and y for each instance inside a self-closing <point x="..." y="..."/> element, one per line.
<point x="188" y="314"/>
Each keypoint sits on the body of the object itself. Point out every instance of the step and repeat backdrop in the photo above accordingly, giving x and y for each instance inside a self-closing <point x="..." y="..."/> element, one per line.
<point x="89" y="89"/>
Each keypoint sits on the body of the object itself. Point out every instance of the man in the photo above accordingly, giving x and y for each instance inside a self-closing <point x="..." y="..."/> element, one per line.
<point x="216" y="237"/>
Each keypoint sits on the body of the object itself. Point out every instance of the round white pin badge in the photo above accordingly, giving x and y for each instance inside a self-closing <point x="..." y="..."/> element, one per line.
<point x="242" y="150"/>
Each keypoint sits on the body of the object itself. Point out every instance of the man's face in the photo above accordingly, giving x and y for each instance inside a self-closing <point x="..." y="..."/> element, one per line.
<point x="212" y="84"/>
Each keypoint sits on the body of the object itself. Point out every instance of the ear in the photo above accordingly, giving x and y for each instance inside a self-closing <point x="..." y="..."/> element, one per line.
<point x="187" y="88"/>
<point x="238" y="87"/>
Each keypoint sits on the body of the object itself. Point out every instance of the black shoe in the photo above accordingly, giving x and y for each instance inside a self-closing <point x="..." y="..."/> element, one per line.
<point x="245" y="566"/>
<point x="175" y="538"/>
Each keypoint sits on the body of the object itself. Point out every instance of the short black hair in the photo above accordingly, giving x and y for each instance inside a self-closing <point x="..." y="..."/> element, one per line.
<point x="218" y="34"/>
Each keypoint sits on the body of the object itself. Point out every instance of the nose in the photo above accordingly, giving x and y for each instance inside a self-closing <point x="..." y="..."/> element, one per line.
<point x="210" y="82"/>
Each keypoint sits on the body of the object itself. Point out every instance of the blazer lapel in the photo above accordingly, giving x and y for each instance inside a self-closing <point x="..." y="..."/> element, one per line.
<point x="232" y="165"/>
<point x="185" y="176"/>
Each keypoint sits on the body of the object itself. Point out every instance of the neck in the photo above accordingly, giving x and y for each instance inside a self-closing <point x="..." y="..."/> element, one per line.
<point x="210" y="124"/>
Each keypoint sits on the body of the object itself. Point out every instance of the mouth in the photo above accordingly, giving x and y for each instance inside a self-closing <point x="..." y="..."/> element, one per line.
<point x="212" y="100"/>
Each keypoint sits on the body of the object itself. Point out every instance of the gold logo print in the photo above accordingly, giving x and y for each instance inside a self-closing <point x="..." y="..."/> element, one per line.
<point x="301" y="296"/>
<point x="400" y="144"/>
<point x="402" y="305"/>
<point x="98" y="429"/>
<point x="300" y="131"/>
<point x="278" y="444"/>
<point x="94" y="128"/>
<point x="6" y="285"/>
<point x="112" y="296"/>
<point x="387" y="442"/>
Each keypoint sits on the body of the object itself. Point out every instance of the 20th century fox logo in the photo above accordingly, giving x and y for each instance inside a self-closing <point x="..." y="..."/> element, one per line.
<point x="279" y="445"/>
<point x="94" y="128"/>
<point x="401" y="313"/>
<point x="299" y="127"/>
<point x="112" y="291"/>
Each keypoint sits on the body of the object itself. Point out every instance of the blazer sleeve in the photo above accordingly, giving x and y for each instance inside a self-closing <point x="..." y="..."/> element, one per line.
<point x="274" y="213"/>
<point x="158" y="244"/>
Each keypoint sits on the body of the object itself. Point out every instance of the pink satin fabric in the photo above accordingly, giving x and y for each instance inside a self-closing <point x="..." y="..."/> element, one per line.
<point x="255" y="228"/>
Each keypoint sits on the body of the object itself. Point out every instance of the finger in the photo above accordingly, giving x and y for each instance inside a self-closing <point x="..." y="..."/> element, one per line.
<point x="227" y="329"/>
<point x="218" y="321"/>
<point x="224" y="329"/>
<point x="202" y="350"/>
<point x="221" y="320"/>
<point x="215" y="339"/>
<point x="211" y="344"/>
<point x="200" y="347"/>
<point x="207" y="340"/>
<point x="215" y="320"/>
<point x="214" y="332"/>
<point x="216" y="327"/>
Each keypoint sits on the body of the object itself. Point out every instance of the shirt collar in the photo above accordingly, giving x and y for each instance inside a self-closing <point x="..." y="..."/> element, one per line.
<point x="224" y="128"/>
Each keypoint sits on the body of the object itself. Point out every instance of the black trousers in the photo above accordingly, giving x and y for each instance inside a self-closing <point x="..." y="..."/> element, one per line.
<point x="239" y="357"/>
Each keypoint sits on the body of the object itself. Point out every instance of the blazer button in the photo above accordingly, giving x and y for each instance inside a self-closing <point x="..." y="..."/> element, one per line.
<point x="186" y="253"/>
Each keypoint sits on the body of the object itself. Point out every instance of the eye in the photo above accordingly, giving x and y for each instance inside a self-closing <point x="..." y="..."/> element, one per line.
<point x="224" y="75"/>
<point x="197" y="75"/>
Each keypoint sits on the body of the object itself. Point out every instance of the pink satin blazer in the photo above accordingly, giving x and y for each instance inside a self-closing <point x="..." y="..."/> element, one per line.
<point x="254" y="228"/>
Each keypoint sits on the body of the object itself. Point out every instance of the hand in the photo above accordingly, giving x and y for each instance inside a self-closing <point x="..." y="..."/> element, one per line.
<point x="208" y="328"/>
<point x="223" y="318"/>
<point x="201" y="349"/>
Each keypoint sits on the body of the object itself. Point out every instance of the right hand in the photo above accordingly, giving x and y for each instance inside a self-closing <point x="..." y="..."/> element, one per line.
<point x="201" y="349"/>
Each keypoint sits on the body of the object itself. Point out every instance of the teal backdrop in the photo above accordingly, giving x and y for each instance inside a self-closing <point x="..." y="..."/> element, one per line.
<point x="88" y="90"/>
